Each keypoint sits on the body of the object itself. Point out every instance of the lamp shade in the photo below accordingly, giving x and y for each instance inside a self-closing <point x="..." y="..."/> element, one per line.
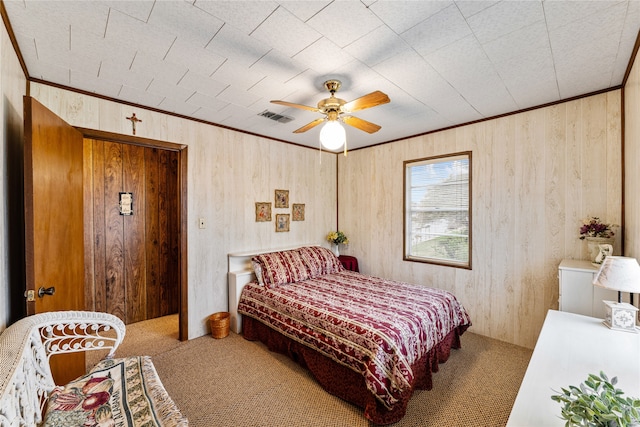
<point x="619" y="273"/>
<point x="332" y="135"/>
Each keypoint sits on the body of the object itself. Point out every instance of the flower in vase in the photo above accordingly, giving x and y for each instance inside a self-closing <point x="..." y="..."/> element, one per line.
<point x="594" y="227"/>
<point x="337" y="237"/>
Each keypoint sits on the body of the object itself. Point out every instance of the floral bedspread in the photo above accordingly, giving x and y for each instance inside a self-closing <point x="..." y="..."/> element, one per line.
<point x="374" y="326"/>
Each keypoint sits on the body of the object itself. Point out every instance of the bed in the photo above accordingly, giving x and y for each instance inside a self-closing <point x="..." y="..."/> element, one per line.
<point x="367" y="340"/>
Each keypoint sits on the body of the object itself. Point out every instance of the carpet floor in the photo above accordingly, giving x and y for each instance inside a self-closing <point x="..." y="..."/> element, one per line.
<point x="235" y="382"/>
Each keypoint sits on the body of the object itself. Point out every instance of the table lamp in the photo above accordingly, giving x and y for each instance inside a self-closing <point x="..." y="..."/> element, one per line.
<point x="620" y="274"/>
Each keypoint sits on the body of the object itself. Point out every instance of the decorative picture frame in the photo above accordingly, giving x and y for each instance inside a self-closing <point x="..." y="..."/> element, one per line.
<point x="125" y="204"/>
<point x="282" y="222"/>
<point x="263" y="211"/>
<point x="282" y="199"/>
<point x="297" y="212"/>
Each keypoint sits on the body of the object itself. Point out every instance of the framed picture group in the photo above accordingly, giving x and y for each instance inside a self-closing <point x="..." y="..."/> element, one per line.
<point x="282" y="220"/>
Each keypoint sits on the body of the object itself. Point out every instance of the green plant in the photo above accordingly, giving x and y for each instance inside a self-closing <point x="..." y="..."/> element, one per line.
<point x="598" y="403"/>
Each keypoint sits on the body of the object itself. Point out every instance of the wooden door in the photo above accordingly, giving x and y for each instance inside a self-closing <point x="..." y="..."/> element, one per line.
<point x="54" y="231"/>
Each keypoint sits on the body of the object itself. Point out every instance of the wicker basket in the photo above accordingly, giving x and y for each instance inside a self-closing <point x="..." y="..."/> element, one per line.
<point x="219" y="324"/>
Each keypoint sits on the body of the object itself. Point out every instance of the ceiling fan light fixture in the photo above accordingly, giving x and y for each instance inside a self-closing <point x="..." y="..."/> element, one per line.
<point x="332" y="135"/>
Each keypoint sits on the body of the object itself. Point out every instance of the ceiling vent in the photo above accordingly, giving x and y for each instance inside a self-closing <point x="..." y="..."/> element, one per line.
<point x="275" y="116"/>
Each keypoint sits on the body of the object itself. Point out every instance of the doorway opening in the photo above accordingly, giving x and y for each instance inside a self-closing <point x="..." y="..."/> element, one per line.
<point x="136" y="256"/>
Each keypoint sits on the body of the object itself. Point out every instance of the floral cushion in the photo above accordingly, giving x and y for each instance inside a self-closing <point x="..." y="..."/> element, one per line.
<point x="279" y="268"/>
<point x="320" y="260"/>
<point x="116" y="392"/>
<point x="257" y="269"/>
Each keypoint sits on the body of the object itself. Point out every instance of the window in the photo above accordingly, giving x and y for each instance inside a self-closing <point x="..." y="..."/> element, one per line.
<point x="437" y="220"/>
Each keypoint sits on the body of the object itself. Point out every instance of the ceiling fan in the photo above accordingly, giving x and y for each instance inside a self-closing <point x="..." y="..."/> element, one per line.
<point x="334" y="109"/>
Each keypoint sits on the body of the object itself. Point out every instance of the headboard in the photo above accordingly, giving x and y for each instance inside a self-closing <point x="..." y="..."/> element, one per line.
<point x="240" y="272"/>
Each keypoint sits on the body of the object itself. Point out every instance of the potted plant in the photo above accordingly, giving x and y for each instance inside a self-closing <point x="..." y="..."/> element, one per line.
<point x="594" y="227"/>
<point x="598" y="403"/>
<point x="596" y="233"/>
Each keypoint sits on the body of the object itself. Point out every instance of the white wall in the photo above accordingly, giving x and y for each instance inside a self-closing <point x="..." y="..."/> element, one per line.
<point x="12" y="87"/>
<point x="535" y="175"/>
<point x="228" y="172"/>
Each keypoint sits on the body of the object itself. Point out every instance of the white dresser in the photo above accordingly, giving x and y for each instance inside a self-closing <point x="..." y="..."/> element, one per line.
<point x="577" y="293"/>
<point x="569" y="348"/>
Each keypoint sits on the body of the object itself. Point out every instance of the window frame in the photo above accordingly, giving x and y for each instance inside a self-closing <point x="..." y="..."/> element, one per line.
<point x="406" y="165"/>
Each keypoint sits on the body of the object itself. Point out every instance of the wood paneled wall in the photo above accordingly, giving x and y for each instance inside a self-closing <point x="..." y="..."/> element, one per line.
<point x="161" y="232"/>
<point x="536" y="175"/>
<point x="227" y="173"/>
<point x="133" y="259"/>
<point x="632" y="161"/>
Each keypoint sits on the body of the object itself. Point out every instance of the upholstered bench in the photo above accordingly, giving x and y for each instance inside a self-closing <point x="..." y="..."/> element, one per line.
<point x="120" y="392"/>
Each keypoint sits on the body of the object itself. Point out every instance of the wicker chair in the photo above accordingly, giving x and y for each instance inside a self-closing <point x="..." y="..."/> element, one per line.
<point x="26" y="383"/>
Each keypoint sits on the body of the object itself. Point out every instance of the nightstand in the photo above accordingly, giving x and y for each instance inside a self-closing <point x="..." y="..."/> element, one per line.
<point x="349" y="262"/>
<point x="577" y="293"/>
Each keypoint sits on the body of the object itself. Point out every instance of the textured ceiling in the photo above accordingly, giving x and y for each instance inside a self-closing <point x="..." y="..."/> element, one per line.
<point x="441" y="63"/>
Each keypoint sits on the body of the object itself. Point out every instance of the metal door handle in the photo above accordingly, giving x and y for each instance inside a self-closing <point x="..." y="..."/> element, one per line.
<point x="46" y="291"/>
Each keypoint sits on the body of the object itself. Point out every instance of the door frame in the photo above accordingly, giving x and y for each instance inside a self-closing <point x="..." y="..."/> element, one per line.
<point x="181" y="151"/>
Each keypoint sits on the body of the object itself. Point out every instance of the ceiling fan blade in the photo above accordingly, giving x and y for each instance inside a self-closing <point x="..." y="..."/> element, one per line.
<point x="308" y="126"/>
<point x="291" y="104"/>
<point x="371" y="100"/>
<point x="361" y="124"/>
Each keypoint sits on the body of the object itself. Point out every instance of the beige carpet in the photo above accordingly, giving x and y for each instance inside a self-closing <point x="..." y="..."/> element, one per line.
<point x="234" y="382"/>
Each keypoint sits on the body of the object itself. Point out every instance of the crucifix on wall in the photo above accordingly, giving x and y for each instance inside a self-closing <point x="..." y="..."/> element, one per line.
<point x="133" y="120"/>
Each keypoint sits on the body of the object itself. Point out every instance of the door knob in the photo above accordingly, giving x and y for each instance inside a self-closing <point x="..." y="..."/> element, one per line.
<point x="46" y="291"/>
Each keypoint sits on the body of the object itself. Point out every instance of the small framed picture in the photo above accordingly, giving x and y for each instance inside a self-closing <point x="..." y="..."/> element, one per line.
<point x="263" y="211"/>
<point x="126" y="204"/>
<point x="297" y="212"/>
<point x="282" y="222"/>
<point x="282" y="198"/>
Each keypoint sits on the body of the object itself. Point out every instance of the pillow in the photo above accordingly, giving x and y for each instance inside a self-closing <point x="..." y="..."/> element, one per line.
<point x="114" y="392"/>
<point x="320" y="260"/>
<point x="257" y="269"/>
<point x="279" y="268"/>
